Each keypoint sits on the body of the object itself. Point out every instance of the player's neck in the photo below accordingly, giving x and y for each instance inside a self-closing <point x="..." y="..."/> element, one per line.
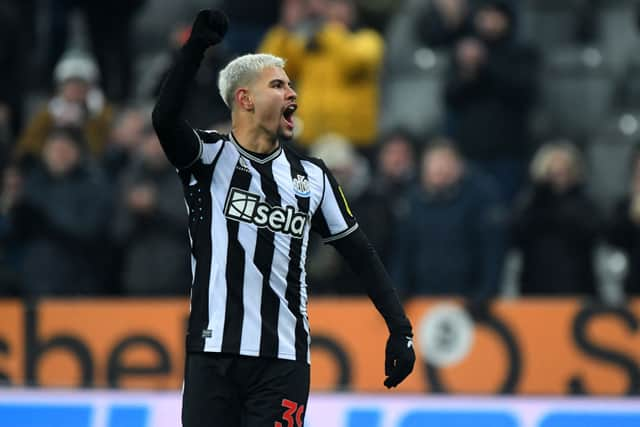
<point x="255" y="140"/>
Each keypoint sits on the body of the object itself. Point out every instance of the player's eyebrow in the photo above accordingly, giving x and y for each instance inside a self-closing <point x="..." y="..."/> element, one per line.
<point x="275" y="82"/>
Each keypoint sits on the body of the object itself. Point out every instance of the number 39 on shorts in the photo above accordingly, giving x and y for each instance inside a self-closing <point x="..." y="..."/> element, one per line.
<point x="292" y="409"/>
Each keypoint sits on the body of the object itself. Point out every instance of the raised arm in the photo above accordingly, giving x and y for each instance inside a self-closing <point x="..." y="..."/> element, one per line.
<point x="180" y="142"/>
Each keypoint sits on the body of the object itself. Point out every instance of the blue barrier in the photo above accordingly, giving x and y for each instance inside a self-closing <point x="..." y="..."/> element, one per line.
<point x="595" y="419"/>
<point x="50" y="415"/>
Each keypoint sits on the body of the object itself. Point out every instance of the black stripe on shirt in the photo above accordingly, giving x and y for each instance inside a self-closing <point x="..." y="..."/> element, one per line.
<point x="263" y="259"/>
<point x="234" y="311"/>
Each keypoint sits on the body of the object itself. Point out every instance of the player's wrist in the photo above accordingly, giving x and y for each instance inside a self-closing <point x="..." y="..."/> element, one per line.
<point x="400" y="328"/>
<point x="193" y="51"/>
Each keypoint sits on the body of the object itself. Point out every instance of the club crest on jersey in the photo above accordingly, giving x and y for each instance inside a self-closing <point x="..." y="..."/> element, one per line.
<point x="301" y="186"/>
<point x="246" y="207"/>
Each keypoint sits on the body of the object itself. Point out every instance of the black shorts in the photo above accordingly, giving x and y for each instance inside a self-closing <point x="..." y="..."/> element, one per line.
<point x="222" y="390"/>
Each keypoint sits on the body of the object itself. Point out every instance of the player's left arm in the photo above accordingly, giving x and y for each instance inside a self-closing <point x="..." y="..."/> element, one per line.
<point x="337" y="225"/>
<point x="365" y="262"/>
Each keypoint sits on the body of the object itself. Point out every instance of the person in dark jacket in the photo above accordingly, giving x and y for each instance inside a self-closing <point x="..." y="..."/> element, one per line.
<point x="556" y="226"/>
<point x="150" y="223"/>
<point x="452" y="240"/>
<point x="624" y="228"/>
<point x="489" y="93"/>
<point x="328" y="272"/>
<point x="60" y="215"/>
<point x="442" y="23"/>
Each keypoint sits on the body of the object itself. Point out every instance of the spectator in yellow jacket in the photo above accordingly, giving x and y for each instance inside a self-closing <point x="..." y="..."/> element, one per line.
<point x="78" y="103"/>
<point x="335" y="68"/>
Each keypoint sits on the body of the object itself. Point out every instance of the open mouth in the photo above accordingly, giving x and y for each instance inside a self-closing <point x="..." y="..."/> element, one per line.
<point x="287" y="114"/>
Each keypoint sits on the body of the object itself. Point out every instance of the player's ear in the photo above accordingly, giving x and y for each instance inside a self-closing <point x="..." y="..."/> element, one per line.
<point x="244" y="99"/>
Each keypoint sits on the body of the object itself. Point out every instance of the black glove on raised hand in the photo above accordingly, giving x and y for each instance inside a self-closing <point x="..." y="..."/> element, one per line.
<point x="209" y="28"/>
<point x="399" y="359"/>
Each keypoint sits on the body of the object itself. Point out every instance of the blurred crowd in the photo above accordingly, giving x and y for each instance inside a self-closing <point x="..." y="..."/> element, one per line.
<point x="478" y="148"/>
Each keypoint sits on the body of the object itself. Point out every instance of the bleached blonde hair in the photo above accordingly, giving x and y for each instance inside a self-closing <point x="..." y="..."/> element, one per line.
<point x="242" y="71"/>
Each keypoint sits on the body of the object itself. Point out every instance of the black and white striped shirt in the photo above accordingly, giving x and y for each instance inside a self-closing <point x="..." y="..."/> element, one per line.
<point x="249" y="223"/>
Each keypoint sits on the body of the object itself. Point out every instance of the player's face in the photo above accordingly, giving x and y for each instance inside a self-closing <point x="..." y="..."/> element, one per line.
<point x="275" y="102"/>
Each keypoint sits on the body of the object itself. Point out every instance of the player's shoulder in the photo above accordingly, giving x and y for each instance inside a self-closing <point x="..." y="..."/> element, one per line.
<point x="309" y="160"/>
<point x="210" y="136"/>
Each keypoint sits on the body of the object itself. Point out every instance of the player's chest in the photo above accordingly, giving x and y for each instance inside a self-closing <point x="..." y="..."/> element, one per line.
<point x="278" y="197"/>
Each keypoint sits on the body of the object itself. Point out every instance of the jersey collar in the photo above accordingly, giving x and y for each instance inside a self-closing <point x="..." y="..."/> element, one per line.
<point x="253" y="156"/>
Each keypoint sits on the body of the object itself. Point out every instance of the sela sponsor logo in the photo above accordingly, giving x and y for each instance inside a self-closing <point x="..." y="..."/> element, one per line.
<point x="244" y="206"/>
<point x="301" y="186"/>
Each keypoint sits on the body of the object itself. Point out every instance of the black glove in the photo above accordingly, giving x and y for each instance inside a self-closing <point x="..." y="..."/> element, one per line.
<point x="209" y="28"/>
<point x="399" y="359"/>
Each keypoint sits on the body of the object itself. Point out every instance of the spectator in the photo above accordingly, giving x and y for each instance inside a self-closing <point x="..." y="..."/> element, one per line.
<point x="12" y="68"/>
<point x="556" y="226"/>
<point x="624" y="230"/>
<point x="6" y="142"/>
<point x="321" y="43"/>
<point x="124" y="136"/>
<point x="391" y="182"/>
<point x="78" y="103"/>
<point x="109" y="24"/>
<point x="60" y="217"/>
<point x="150" y="223"/>
<point x="452" y="239"/>
<point x="489" y="93"/>
<point x="378" y="200"/>
<point x="444" y="22"/>
<point x="327" y="270"/>
<point x="11" y="248"/>
<point x="250" y="20"/>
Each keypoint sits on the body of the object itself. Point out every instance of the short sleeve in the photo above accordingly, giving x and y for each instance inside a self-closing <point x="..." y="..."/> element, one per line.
<point x="210" y="143"/>
<point x="202" y="166"/>
<point x="333" y="219"/>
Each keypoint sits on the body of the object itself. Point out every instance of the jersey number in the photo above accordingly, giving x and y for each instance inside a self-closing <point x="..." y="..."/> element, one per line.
<point x="291" y="409"/>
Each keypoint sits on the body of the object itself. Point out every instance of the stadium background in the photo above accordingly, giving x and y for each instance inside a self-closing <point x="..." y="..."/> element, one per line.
<point x="105" y="348"/>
